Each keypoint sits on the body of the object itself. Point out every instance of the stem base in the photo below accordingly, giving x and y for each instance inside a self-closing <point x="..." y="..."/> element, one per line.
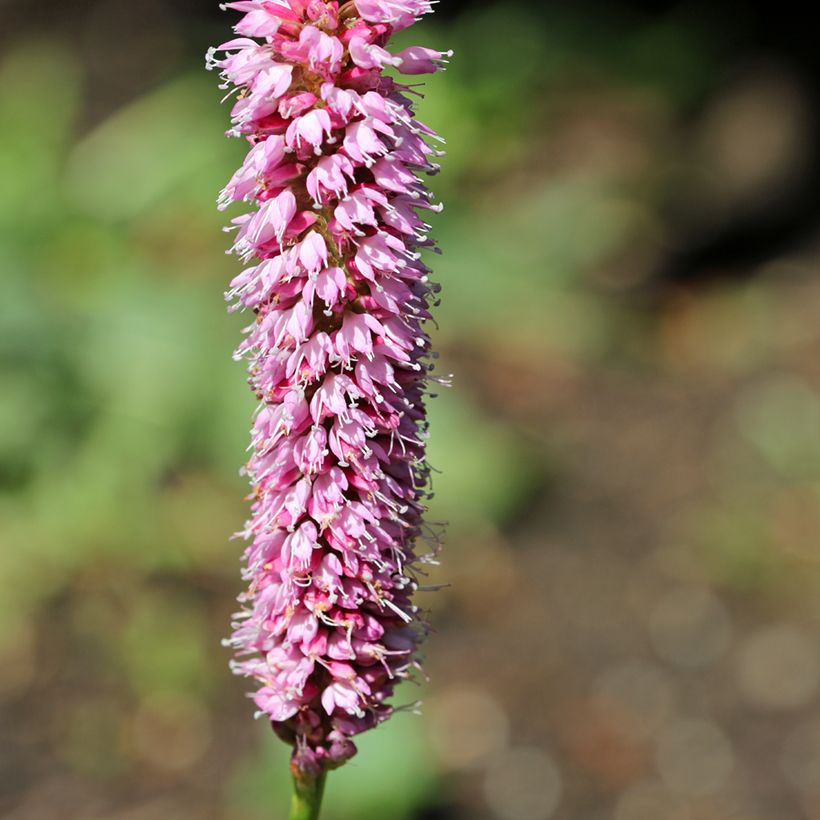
<point x="307" y="797"/>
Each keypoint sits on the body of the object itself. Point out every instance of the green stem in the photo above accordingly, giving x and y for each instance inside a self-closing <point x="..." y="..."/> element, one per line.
<point x="307" y="797"/>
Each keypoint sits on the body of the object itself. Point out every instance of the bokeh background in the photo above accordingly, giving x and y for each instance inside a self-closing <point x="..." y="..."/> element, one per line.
<point x="630" y="456"/>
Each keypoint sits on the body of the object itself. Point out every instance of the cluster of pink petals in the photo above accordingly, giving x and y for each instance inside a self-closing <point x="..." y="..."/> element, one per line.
<point x="338" y="360"/>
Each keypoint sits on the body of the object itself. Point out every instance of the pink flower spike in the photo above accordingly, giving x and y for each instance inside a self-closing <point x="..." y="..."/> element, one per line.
<point x="338" y="359"/>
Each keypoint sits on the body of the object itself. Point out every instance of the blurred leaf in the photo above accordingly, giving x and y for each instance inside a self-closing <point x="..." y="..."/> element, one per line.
<point x="39" y="95"/>
<point x="484" y="469"/>
<point x="151" y="148"/>
<point x="391" y="776"/>
<point x="166" y="647"/>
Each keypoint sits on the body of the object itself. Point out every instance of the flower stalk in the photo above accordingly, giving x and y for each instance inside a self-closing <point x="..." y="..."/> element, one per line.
<point x="306" y="800"/>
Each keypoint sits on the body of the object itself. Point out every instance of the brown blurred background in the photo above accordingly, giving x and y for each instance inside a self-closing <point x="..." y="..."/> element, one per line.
<point x="630" y="454"/>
